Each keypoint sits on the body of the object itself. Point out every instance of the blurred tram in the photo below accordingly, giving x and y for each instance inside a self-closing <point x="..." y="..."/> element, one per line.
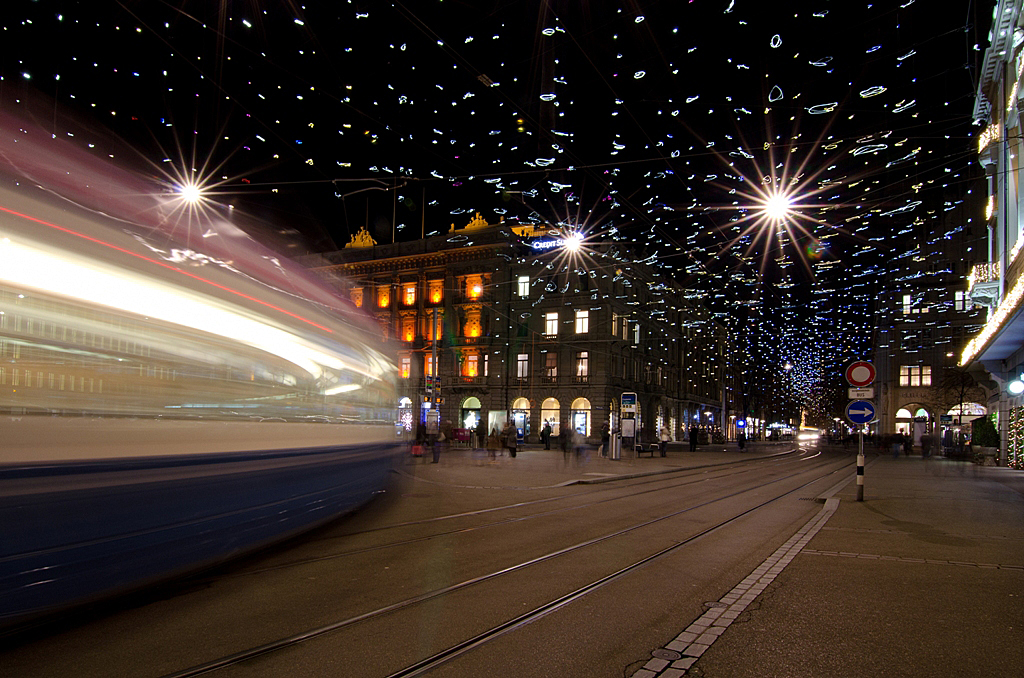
<point x="164" y="406"/>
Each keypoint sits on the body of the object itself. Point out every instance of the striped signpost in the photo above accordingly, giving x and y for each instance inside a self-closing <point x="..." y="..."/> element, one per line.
<point x="859" y="375"/>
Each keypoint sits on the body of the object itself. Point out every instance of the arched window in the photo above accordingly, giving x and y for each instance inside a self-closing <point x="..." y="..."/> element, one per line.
<point x="967" y="412"/>
<point x="579" y="414"/>
<point x="521" y="416"/>
<point x="550" y="413"/>
<point x="470" y="415"/>
<point x="903" y="413"/>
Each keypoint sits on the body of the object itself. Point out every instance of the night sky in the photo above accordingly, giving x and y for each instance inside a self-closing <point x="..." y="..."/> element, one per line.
<point x="662" y="124"/>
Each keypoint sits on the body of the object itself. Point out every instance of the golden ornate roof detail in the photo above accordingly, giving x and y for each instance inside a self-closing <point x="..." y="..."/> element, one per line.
<point x="362" y="238"/>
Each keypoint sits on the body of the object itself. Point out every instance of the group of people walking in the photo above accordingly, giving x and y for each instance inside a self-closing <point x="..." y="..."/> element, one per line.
<point x="570" y="440"/>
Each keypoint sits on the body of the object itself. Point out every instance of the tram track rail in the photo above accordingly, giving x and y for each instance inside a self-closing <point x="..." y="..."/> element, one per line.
<point x="828" y="469"/>
<point x="673" y="481"/>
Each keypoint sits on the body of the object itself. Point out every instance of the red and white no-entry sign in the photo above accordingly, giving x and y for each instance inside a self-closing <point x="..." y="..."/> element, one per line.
<point x="860" y="373"/>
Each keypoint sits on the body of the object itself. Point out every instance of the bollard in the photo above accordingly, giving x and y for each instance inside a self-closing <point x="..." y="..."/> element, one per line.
<point x="860" y="468"/>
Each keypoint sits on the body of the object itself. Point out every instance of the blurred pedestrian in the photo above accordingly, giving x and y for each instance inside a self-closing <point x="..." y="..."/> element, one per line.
<point x="481" y="433"/>
<point x="741" y="439"/>
<point x="565" y="441"/>
<point x="435" y="446"/>
<point x="926" y="446"/>
<point x="579" y="442"/>
<point x="511" y="439"/>
<point x="493" y="443"/>
<point x="545" y="435"/>
<point x="693" y="439"/>
<point x="664" y="436"/>
<point x="605" y="437"/>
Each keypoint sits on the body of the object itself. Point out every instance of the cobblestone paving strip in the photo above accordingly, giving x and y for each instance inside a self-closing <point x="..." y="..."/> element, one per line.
<point x="699" y="635"/>
<point x="689" y="645"/>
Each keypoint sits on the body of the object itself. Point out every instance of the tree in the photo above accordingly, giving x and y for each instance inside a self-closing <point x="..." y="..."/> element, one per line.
<point x="957" y="388"/>
<point x="984" y="433"/>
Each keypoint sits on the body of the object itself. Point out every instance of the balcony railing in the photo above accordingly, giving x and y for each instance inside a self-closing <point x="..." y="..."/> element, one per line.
<point x="983" y="284"/>
<point x="983" y="273"/>
<point x="581" y="379"/>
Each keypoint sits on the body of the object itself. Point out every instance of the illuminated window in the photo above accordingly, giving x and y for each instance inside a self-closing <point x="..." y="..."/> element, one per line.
<point x="524" y="285"/>
<point x="583" y="363"/>
<point x="915" y="375"/>
<point x="436" y="291"/>
<point x="551" y="323"/>
<point x="551" y="365"/>
<point x="406" y="366"/>
<point x="582" y="322"/>
<point x="961" y="300"/>
<point x="910" y="307"/>
<point x="409" y="295"/>
<point x="471" y="367"/>
<point x="615" y="324"/>
<point x="383" y="296"/>
<point x="408" y="328"/>
<point x="428" y="365"/>
<point x="625" y="329"/>
<point x="472" y="326"/>
<point x="428" y="323"/>
<point x="523" y="365"/>
<point x="474" y="287"/>
<point x="486" y="364"/>
<point x="357" y="296"/>
<point x="636" y="333"/>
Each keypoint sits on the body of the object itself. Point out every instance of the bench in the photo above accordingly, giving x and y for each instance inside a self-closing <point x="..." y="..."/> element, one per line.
<point x="654" y="449"/>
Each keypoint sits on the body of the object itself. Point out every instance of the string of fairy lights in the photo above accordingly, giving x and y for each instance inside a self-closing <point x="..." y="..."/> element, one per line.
<point x="775" y="161"/>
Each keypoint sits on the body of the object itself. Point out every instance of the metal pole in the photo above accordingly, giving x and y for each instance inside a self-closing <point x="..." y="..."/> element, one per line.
<point x="433" y="364"/>
<point x="860" y="466"/>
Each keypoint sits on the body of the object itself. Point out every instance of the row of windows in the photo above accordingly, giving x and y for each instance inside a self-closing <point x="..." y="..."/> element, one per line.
<point x="58" y="382"/>
<point x="474" y="324"/>
<point x="961" y="302"/>
<point x="474" y="365"/>
<point x="471" y="288"/>
<point x="582" y="324"/>
<point x="915" y="375"/>
<point x="48" y="330"/>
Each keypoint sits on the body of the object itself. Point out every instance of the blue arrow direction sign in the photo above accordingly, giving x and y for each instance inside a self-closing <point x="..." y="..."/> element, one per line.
<point x="860" y="412"/>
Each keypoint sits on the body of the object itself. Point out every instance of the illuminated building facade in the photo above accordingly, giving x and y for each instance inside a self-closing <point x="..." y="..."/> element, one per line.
<point x="923" y="319"/>
<point x="530" y="332"/>
<point x="997" y="351"/>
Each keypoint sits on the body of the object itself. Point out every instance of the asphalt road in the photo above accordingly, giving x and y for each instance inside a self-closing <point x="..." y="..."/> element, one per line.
<point x="504" y="568"/>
